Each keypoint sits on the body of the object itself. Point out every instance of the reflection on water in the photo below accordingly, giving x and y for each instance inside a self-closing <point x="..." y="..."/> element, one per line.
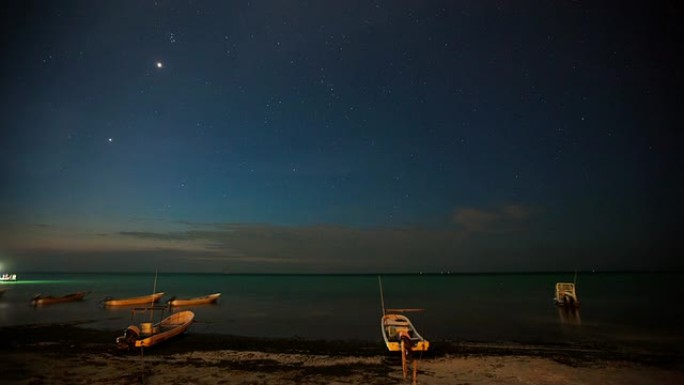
<point x="569" y="315"/>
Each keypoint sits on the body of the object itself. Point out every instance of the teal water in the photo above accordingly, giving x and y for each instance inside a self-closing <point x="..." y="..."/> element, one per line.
<point x="617" y="308"/>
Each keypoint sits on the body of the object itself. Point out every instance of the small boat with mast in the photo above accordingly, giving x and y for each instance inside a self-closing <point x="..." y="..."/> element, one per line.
<point x="149" y="334"/>
<point x="566" y="295"/>
<point x="400" y="335"/>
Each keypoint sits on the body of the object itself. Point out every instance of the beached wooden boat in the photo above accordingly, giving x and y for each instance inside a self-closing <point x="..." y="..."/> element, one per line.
<point x="207" y="299"/>
<point x="397" y="330"/>
<point x="41" y="300"/>
<point x="565" y="295"/>
<point x="401" y="336"/>
<point x="142" y="300"/>
<point x="148" y="335"/>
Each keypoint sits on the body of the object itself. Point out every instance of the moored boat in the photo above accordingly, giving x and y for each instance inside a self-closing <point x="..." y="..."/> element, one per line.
<point x="142" y="300"/>
<point x="41" y="300"/>
<point x="397" y="330"/>
<point x="148" y="335"/>
<point x="207" y="299"/>
<point x="566" y="295"/>
<point x="8" y="277"/>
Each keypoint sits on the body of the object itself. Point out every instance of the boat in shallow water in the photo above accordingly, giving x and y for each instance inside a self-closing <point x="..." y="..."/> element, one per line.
<point x="566" y="295"/>
<point x="148" y="335"/>
<point x="41" y="300"/>
<point x="132" y="301"/>
<point x="204" y="300"/>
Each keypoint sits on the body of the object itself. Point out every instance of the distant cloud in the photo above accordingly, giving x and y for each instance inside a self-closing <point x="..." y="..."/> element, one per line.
<point x="56" y="239"/>
<point x="474" y="220"/>
<point x="320" y="248"/>
<point x="475" y="243"/>
<point x="231" y="258"/>
<point x="506" y="219"/>
<point x="517" y="212"/>
<point x="170" y="236"/>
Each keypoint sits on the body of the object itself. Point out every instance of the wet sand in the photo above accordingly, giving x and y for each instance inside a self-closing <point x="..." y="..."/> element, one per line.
<point x="68" y="354"/>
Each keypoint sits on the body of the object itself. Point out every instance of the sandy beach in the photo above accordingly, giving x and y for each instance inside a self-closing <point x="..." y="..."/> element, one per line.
<point x="68" y="354"/>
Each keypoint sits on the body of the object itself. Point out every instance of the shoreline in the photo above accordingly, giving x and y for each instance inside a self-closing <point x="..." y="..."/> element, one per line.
<point x="67" y="336"/>
<point x="68" y="353"/>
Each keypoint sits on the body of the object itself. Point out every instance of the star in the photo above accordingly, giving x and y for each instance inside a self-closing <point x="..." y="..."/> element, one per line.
<point x="160" y="65"/>
<point x="110" y="140"/>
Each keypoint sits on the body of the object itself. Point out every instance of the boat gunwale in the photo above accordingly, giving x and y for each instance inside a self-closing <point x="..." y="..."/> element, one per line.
<point x="50" y="299"/>
<point x="174" y="330"/>
<point x="203" y="300"/>
<point x="130" y="301"/>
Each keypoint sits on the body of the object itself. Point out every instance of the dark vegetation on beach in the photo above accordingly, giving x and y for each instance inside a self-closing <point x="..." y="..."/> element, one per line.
<point x="71" y="339"/>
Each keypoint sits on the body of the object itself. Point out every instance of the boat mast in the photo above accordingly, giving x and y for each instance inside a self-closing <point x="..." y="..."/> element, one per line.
<point x="154" y="290"/>
<point x="154" y="287"/>
<point x="382" y="297"/>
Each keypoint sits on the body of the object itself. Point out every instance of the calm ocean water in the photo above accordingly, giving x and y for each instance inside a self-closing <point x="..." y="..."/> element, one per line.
<point x="617" y="308"/>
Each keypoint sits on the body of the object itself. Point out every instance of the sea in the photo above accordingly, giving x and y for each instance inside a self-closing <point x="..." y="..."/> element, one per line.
<point x="631" y="309"/>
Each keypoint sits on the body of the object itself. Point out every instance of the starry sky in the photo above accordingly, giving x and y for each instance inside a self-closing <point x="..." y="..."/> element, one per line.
<point x="340" y="136"/>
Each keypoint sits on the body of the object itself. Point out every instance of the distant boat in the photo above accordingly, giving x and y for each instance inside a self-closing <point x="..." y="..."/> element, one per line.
<point x="148" y="335"/>
<point x="8" y="277"/>
<point x="40" y="300"/>
<point x="207" y="299"/>
<point x="142" y="300"/>
<point x="565" y="295"/>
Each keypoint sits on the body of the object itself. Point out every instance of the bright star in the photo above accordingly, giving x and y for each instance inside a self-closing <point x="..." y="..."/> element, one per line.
<point x="160" y="64"/>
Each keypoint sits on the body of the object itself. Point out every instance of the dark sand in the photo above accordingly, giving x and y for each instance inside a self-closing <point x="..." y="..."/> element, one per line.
<point x="69" y="354"/>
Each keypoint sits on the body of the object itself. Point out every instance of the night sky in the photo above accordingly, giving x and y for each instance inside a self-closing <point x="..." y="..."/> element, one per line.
<point x="340" y="136"/>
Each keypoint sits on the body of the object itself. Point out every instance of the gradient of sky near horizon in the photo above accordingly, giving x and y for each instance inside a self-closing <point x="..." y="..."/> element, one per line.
<point x="340" y="137"/>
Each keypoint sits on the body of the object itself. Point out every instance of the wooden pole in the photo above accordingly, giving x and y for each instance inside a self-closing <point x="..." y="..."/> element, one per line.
<point x="404" y="364"/>
<point x="142" y="361"/>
